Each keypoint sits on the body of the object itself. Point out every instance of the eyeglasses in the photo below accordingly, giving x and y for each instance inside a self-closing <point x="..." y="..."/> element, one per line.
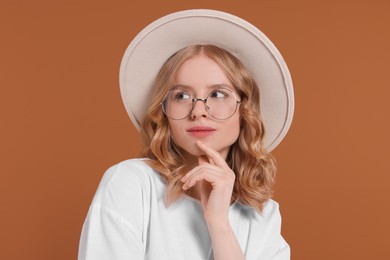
<point x="220" y="104"/>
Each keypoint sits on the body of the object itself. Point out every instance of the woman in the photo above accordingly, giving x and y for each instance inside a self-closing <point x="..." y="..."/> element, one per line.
<point x="204" y="188"/>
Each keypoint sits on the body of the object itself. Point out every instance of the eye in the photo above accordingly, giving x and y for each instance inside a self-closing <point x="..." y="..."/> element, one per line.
<point x="180" y="95"/>
<point x="219" y="94"/>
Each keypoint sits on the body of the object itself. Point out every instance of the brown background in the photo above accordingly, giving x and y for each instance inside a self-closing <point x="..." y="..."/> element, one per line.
<point x="62" y="122"/>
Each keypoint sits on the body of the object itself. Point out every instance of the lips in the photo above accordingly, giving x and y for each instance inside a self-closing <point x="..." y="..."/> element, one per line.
<point x="201" y="131"/>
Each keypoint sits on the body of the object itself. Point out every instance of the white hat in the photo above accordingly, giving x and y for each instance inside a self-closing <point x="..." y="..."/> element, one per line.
<point x="161" y="39"/>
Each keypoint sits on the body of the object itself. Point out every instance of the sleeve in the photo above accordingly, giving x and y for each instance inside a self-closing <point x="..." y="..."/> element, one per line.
<point x="274" y="245"/>
<point x="115" y="224"/>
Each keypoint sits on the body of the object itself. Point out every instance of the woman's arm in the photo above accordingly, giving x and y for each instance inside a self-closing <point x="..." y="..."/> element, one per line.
<point x="113" y="228"/>
<point x="215" y="181"/>
<point x="225" y="244"/>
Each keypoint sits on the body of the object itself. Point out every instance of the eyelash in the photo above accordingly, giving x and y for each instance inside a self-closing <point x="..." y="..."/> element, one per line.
<point x="179" y="94"/>
<point x="219" y="91"/>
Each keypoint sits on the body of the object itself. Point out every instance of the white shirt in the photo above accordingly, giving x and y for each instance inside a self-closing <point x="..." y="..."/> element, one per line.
<point x="129" y="220"/>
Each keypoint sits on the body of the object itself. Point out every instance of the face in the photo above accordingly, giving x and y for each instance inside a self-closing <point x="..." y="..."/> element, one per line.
<point x="198" y="77"/>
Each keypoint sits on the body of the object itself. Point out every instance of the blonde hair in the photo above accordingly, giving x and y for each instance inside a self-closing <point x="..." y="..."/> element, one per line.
<point x="254" y="167"/>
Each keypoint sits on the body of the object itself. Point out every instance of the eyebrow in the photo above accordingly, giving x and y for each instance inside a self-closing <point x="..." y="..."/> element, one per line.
<point x="212" y="87"/>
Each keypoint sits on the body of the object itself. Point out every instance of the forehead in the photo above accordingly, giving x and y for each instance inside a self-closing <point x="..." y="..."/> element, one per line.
<point x="201" y="72"/>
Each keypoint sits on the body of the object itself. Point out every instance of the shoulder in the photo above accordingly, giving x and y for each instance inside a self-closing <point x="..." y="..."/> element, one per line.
<point x="271" y="208"/>
<point x="127" y="177"/>
<point x="131" y="170"/>
<point x="263" y="231"/>
<point x="134" y="165"/>
<point x="270" y="212"/>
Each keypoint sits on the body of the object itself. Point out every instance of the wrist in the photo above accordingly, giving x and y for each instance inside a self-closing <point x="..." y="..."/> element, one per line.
<point x="218" y="224"/>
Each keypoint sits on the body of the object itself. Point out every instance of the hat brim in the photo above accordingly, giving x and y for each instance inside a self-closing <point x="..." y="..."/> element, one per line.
<point x="159" y="40"/>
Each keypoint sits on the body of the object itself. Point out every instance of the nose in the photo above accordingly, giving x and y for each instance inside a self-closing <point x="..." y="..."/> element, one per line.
<point x="199" y="109"/>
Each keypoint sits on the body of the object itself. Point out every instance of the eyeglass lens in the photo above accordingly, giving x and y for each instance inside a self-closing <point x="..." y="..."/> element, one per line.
<point x="220" y="104"/>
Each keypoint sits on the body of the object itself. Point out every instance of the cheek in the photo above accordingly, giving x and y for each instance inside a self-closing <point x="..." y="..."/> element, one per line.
<point x="175" y="131"/>
<point x="235" y="127"/>
<point x="236" y="131"/>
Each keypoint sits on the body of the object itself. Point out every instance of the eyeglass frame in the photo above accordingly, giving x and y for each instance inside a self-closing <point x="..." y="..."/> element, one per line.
<point x="193" y="100"/>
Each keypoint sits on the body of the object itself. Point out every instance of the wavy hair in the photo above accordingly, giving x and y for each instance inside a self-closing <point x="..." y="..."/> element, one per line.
<point x="253" y="166"/>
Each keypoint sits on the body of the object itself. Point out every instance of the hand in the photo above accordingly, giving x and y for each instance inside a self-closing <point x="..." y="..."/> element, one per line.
<point x="215" y="180"/>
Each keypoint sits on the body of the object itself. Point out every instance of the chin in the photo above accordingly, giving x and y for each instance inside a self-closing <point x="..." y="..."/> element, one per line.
<point x="194" y="151"/>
